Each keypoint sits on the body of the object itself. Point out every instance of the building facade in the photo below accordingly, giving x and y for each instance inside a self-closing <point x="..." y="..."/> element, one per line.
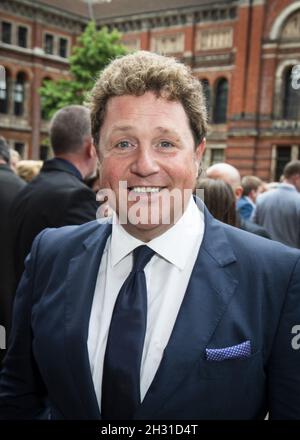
<point x="243" y="52"/>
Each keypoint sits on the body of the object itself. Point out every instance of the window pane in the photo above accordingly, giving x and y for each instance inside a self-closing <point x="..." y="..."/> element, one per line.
<point x="6" y="32"/>
<point x="19" y="90"/>
<point x="283" y="157"/>
<point x="19" y="96"/>
<point x="220" y="107"/>
<point x="22" y="36"/>
<point x="63" y="44"/>
<point x="217" y="155"/>
<point x="49" y="44"/>
<point x="20" y="147"/>
<point x="3" y="97"/>
<point x="291" y="108"/>
<point x="44" y="152"/>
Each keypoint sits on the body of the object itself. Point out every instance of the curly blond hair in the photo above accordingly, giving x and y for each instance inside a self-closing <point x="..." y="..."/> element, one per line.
<point x="28" y="169"/>
<point x="140" y="72"/>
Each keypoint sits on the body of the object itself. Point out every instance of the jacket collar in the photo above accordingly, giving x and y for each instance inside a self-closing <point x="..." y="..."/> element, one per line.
<point x="59" y="164"/>
<point x="6" y="167"/>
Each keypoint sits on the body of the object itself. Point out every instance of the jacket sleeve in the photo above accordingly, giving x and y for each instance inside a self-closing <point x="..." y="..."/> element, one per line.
<point x="22" y="391"/>
<point x="284" y="363"/>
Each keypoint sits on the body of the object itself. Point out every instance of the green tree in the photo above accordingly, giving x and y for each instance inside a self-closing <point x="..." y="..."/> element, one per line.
<point x="94" y="50"/>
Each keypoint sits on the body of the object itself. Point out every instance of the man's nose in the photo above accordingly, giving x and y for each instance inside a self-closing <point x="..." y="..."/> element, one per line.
<point x="145" y="162"/>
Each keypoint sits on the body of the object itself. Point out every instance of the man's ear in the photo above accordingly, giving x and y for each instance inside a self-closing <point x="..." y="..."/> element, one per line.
<point x="238" y="192"/>
<point x="252" y="195"/>
<point x="90" y="148"/>
<point x="198" y="155"/>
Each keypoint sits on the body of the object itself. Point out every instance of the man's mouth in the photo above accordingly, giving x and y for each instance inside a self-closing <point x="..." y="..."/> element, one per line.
<point x="145" y="189"/>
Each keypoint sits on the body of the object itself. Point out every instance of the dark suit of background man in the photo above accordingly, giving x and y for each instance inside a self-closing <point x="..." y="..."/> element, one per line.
<point x="153" y="319"/>
<point x="10" y="185"/>
<point x="278" y="210"/>
<point x="58" y="196"/>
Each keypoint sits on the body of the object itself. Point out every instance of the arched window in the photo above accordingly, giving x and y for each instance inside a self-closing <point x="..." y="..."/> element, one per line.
<point x="19" y="94"/>
<point x="207" y="94"/>
<point x="291" y="100"/>
<point x="4" y="92"/>
<point x="220" y="102"/>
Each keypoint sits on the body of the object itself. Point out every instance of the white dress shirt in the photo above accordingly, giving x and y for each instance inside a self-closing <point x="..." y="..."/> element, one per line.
<point x="167" y="276"/>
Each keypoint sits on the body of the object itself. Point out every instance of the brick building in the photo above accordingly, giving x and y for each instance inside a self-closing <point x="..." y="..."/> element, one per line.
<point x="242" y="50"/>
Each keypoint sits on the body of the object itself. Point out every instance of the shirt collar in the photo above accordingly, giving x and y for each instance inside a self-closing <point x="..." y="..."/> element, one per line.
<point x="289" y="186"/>
<point x="249" y="200"/>
<point x="175" y="245"/>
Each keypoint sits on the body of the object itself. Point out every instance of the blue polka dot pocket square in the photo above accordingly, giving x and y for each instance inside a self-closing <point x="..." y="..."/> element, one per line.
<point x="239" y="351"/>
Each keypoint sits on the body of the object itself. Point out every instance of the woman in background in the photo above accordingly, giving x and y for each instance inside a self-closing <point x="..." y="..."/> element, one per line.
<point x="219" y="200"/>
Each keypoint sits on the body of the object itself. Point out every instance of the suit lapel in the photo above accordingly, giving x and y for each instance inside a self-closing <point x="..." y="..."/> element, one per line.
<point x="81" y="280"/>
<point x="209" y="291"/>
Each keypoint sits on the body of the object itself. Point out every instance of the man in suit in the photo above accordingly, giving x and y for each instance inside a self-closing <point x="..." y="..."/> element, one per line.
<point x="231" y="175"/>
<point x="58" y="195"/>
<point x="162" y="312"/>
<point x="278" y="210"/>
<point x="10" y="185"/>
<point x="246" y="204"/>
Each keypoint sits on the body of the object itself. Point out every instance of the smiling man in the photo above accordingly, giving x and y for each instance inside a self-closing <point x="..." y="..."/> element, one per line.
<point x="151" y="148"/>
<point x="162" y="312"/>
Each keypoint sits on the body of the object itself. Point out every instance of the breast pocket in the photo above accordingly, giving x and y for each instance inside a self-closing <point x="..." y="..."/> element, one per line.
<point x="233" y="368"/>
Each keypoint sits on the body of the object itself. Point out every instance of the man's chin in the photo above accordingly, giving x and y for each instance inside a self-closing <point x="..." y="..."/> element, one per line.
<point x="146" y="231"/>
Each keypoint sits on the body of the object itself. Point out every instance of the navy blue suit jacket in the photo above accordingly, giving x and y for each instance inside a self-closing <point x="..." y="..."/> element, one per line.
<point x="242" y="288"/>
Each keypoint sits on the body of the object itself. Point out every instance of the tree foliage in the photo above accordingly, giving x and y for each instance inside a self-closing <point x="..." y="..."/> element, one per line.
<point x="94" y="50"/>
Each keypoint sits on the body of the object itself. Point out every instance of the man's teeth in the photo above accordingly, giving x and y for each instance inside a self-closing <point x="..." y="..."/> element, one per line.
<point x="144" y="189"/>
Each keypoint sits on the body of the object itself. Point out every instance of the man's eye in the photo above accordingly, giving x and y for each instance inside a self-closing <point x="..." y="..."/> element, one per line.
<point x="123" y="145"/>
<point x="166" y="144"/>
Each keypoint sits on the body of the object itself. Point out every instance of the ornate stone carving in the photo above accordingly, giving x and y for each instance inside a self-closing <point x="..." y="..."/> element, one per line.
<point x="208" y="39"/>
<point x="167" y="44"/>
<point x="41" y="13"/>
<point x="220" y="14"/>
<point x="291" y="30"/>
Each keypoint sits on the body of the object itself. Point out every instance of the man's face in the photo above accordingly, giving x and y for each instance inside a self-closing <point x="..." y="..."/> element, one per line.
<point x="147" y="142"/>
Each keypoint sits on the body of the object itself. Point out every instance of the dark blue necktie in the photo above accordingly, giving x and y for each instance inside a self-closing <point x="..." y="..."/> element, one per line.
<point x="124" y="349"/>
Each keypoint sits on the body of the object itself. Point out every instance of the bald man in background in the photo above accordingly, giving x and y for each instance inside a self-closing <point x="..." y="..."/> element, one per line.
<point x="231" y="175"/>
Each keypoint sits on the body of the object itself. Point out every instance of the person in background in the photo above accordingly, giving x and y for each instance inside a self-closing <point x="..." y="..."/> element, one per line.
<point x="58" y="195"/>
<point x="246" y="203"/>
<point x="171" y="315"/>
<point x="231" y="175"/>
<point x="14" y="159"/>
<point x="28" y="169"/>
<point x="219" y="200"/>
<point x="278" y="210"/>
<point x="10" y="185"/>
<point x="271" y="185"/>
